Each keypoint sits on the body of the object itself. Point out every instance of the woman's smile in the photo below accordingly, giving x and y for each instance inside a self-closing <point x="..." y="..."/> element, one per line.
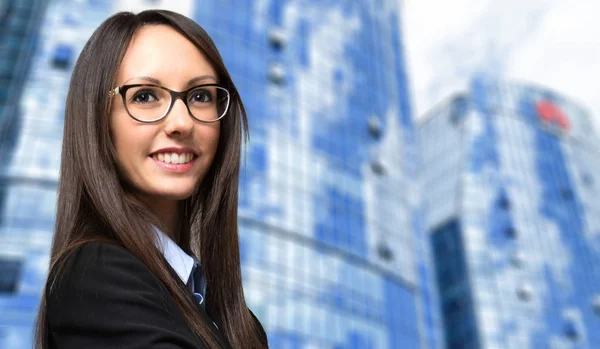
<point x="174" y="162"/>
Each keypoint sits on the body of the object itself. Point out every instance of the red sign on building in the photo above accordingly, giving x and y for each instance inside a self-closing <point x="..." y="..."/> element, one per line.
<point x="551" y="113"/>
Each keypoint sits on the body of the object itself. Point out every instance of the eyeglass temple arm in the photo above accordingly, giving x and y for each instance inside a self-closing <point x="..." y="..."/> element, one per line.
<point x="114" y="92"/>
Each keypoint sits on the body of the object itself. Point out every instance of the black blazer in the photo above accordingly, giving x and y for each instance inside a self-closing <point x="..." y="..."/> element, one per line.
<point x="107" y="298"/>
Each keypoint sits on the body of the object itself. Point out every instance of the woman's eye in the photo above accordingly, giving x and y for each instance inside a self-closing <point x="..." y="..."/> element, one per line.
<point x="201" y="96"/>
<point x="144" y="97"/>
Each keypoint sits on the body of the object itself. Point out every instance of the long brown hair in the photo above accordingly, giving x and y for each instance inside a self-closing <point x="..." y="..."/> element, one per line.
<point x="91" y="194"/>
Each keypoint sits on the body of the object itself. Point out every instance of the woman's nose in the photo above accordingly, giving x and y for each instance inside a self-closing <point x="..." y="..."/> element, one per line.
<point x="178" y="119"/>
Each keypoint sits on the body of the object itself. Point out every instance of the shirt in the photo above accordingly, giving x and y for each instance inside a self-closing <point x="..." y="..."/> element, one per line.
<point x="187" y="267"/>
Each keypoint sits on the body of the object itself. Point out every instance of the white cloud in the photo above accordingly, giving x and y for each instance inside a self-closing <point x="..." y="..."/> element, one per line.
<point x="185" y="7"/>
<point x="549" y="43"/>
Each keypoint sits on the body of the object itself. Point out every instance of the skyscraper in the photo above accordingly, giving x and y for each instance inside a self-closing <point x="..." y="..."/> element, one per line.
<point x="326" y="208"/>
<point x="19" y="26"/>
<point x="510" y="178"/>
<point x="326" y="225"/>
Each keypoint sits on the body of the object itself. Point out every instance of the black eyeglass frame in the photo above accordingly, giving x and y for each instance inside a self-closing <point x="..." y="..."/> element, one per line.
<point x="122" y="90"/>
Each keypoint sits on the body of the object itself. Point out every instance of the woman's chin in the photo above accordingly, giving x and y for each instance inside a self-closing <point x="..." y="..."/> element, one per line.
<point x="177" y="196"/>
<point x="173" y="194"/>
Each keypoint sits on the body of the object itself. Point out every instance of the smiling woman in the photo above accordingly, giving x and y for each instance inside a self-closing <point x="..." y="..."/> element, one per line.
<point x="146" y="249"/>
<point x="152" y="121"/>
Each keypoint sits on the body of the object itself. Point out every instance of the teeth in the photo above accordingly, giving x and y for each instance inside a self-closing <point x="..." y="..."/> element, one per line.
<point x="174" y="158"/>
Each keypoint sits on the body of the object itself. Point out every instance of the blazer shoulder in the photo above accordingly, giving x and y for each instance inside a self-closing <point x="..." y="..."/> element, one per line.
<point x="105" y="297"/>
<point x="96" y="264"/>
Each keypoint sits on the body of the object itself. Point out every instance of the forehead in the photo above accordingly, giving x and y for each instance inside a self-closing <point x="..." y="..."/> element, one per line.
<point x="160" y="52"/>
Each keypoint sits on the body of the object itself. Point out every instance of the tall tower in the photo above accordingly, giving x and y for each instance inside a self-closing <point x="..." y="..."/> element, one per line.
<point x="19" y="36"/>
<point x="327" y="209"/>
<point x="510" y="175"/>
<point x="326" y="224"/>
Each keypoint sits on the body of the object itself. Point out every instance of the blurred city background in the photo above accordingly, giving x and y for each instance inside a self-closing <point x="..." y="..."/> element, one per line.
<point x="420" y="174"/>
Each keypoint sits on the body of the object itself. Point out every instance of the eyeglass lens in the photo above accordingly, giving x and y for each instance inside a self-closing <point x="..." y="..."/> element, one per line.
<point x="150" y="103"/>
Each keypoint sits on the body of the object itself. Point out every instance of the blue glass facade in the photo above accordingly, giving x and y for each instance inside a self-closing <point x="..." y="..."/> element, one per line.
<point x="327" y="245"/>
<point x="512" y="217"/>
<point x="19" y="26"/>
<point x="328" y="216"/>
<point x="452" y="278"/>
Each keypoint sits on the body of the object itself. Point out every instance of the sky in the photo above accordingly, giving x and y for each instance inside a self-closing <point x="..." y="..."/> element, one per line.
<point x="551" y="43"/>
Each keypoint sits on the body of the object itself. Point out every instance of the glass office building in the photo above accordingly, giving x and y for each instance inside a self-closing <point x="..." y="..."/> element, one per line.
<point x="327" y="212"/>
<point x="511" y="186"/>
<point x="21" y="189"/>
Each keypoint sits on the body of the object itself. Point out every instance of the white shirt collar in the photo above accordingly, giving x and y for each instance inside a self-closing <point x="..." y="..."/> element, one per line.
<point x="180" y="261"/>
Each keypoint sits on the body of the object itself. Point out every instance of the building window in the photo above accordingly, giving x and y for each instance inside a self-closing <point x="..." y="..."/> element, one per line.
<point x="596" y="304"/>
<point x="454" y="287"/>
<point x="517" y="259"/>
<point x="566" y="194"/>
<point x="374" y="126"/>
<point x="458" y="109"/>
<point x="377" y="167"/>
<point x="277" y="74"/>
<point x="384" y="252"/>
<point x="510" y="232"/>
<point x="277" y="39"/>
<point x="571" y="331"/>
<point x="504" y="202"/>
<point x="525" y="292"/>
<point x="9" y="275"/>
<point x="63" y="54"/>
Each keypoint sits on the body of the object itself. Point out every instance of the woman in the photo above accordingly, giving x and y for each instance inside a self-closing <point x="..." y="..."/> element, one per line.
<point x="146" y="250"/>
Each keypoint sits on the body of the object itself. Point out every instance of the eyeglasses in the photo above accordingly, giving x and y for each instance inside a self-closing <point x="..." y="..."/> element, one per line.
<point x="151" y="103"/>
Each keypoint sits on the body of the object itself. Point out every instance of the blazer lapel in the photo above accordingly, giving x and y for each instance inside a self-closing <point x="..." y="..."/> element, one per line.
<point x="209" y="323"/>
<point x="207" y="320"/>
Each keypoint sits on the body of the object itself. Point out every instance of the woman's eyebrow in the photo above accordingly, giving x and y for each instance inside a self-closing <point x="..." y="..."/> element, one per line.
<point x="200" y="78"/>
<point x="147" y="78"/>
<point x="157" y="81"/>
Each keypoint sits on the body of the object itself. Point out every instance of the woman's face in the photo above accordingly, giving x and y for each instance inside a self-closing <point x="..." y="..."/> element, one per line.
<point x="147" y="152"/>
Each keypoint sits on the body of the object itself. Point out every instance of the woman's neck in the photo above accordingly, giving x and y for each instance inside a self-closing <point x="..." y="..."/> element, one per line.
<point x="167" y="213"/>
